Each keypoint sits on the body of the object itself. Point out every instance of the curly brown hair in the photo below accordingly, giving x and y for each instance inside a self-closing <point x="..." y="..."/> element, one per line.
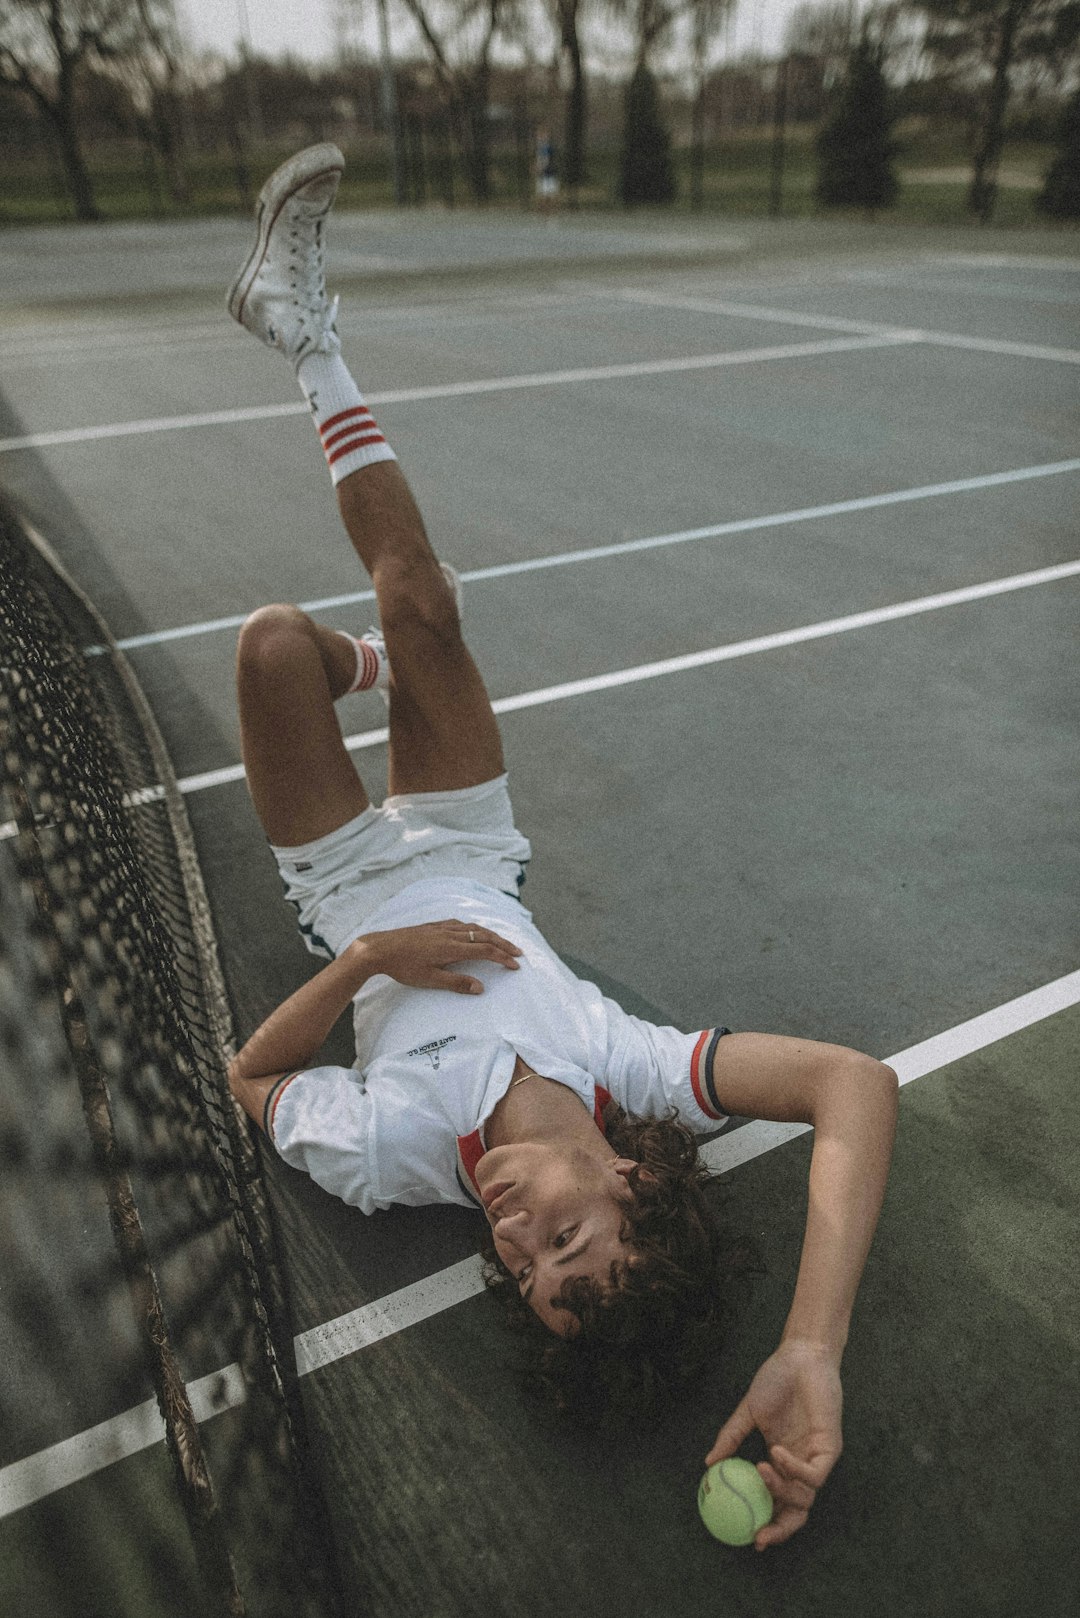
<point x="650" y="1332"/>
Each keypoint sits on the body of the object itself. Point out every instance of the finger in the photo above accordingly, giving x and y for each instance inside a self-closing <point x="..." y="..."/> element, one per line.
<point x="474" y="934"/>
<point x="784" y="1490"/>
<point x="458" y="952"/>
<point x="497" y="938"/>
<point x="739" y="1425"/>
<point x="491" y="946"/>
<point x="457" y="982"/>
<point x="813" y="1471"/>
<point x="780" y="1529"/>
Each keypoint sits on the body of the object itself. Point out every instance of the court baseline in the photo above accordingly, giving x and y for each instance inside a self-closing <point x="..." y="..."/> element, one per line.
<point x="72" y="1459"/>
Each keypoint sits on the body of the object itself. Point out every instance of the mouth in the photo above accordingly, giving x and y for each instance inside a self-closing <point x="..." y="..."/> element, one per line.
<point x="494" y="1192"/>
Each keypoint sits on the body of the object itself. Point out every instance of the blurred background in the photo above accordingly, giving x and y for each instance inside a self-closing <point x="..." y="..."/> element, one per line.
<point x="938" y="111"/>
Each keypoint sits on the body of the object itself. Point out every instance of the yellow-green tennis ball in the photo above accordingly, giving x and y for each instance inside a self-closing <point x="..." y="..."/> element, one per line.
<point x="733" y="1501"/>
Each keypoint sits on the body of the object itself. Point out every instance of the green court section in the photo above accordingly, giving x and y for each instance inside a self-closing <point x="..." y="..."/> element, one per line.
<point x="116" y="1544"/>
<point x="955" y="1496"/>
<point x="113" y="1544"/>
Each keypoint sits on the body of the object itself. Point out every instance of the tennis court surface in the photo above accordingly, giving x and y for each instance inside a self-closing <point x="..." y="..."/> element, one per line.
<point x="771" y="559"/>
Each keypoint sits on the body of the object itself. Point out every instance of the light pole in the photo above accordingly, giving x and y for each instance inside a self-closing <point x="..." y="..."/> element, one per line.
<point x="776" y="164"/>
<point x="389" y="102"/>
<point x="254" y="112"/>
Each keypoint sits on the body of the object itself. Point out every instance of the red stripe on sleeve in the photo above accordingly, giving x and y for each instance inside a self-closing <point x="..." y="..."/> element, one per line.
<point x="277" y="1098"/>
<point x="696" y="1076"/>
<point x="470" y="1151"/>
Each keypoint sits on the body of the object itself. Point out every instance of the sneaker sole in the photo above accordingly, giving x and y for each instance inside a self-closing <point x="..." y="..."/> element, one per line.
<point x="310" y="164"/>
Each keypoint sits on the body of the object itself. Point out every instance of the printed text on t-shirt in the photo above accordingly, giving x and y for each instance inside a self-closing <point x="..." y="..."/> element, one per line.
<point x="432" y="1049"/>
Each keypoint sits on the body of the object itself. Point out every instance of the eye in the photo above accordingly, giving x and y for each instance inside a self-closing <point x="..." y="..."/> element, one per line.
<point x="523" y="1273"/>
<point x="565" y="1236"/>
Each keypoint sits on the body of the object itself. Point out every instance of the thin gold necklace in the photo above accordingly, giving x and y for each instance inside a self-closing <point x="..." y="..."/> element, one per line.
<point x="522" y="1077"/>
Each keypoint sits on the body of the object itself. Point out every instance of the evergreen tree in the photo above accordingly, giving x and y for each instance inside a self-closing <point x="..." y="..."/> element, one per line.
<point x="854" y="149"/>
<point x="1060" y="195"/>
<point x="645" y="170"/>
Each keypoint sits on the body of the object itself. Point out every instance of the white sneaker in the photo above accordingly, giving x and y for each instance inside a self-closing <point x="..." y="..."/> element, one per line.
<point x="280" y="294"/>
<point x="453" y="579"/>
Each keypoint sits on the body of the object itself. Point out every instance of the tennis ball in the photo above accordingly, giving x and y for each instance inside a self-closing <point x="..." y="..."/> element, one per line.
<point x="734" y="1502"/>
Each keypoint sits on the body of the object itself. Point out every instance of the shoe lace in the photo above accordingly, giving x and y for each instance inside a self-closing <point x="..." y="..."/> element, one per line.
<point x="307" y="266"/>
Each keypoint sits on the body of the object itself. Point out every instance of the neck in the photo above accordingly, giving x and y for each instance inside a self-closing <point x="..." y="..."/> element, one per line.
<point x="541" y="1110"/>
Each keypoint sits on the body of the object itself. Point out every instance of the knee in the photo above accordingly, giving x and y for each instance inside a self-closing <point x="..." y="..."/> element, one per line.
<point x="415" y="597"/>
<point x="270" y="635"/>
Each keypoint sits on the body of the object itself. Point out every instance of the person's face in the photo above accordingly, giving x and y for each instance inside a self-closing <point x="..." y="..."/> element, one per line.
<point x="555" y="1214"/>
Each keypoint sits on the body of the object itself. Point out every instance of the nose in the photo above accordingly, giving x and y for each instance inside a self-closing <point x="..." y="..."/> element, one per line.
<point x="513" y="1231"/>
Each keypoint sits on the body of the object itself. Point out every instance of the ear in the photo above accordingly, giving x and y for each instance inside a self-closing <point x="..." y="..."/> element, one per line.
<point x="625" y="1166"/>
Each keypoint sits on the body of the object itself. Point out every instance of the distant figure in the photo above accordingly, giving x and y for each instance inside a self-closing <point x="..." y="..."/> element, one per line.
<point x="547" y="178"/>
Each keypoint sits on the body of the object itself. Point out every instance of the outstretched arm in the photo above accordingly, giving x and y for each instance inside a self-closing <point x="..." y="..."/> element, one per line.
<point x="423" y="957"/>
<point x="795" y="1399"/>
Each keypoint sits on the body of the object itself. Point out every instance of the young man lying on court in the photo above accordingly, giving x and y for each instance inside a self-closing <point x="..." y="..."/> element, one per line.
<point x="486" y="1073"/>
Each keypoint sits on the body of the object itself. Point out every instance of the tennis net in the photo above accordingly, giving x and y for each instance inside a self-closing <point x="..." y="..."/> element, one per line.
<point x="114" y="1033"/>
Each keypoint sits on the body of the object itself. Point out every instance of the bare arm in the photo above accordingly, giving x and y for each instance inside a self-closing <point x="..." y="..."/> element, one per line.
<point x="795" y="1399"/>
<point x="422" y="957"/>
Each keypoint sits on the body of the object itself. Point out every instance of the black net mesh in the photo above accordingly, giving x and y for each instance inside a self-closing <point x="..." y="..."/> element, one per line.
<point x="114" y="1031"/>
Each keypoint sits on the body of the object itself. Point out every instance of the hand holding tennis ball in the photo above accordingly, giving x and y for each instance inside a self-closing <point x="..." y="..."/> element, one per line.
<point x="734" y="1502"/>
<point x="795" y="1403"/>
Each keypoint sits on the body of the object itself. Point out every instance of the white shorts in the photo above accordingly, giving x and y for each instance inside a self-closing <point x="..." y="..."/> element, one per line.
<point x="337" y="881"/>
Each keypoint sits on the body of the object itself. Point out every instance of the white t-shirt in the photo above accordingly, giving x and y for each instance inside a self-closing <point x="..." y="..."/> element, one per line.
<point x="405" y="1123"/>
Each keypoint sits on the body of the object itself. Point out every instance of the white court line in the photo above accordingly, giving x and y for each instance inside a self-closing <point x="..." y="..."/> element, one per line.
<point x="929" y="1056"/>
<point x="874" y="333"/>
<point x="790" y="317"/>
<point x="592" y="553"/>
<point x="1010" y="261"/>
<point x="979" y="288"/>
<point x="23" y="1482"/>
<point x="34" y="1477"/>
<point x="714" y="654"/>
<point x="691" y="660"/>
<point x="460" y="390"/>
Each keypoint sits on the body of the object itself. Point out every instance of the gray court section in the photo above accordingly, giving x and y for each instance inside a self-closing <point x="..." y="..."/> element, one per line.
<point x="865" y="839"/>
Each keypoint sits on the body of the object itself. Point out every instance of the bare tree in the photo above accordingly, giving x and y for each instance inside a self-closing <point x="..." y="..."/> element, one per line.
<point x="566" y="16"/>
<point x="154" y="59"/>
<point x="460" y="38"/>
<point x="983" y="42"/>
<point x="652" y="22"/>
<point x="826" y="32"/>
<point x="43" y="45"/>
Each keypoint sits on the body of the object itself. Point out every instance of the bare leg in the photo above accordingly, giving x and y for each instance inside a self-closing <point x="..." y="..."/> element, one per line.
<point x="443" y="734"/>
<point x="291" y="671"/>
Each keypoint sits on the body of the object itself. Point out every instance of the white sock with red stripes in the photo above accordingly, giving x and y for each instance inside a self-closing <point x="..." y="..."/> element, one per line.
<point x="350" y="437"/>
<point x="372" y="665"/>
